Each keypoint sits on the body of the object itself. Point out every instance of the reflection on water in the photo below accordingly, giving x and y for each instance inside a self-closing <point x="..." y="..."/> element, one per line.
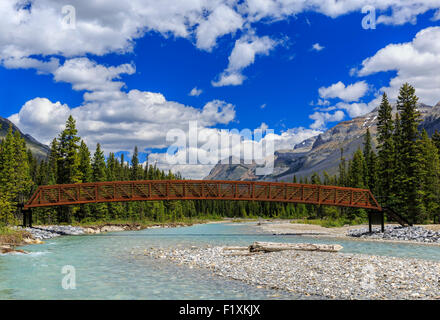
<point x="106" y="268"/>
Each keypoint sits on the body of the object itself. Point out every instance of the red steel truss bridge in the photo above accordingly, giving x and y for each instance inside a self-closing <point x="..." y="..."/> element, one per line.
<point x="157" y="190"/>
<point x="154" y="190"/>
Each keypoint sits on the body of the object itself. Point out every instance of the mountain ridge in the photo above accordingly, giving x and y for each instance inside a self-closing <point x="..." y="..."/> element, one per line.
<point x="39" y="150"/>
<point x="322" y="152"/>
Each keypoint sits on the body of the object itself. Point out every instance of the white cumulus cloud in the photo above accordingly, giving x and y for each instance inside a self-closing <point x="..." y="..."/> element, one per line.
<point x="416" y="62"/>
<point x="352" y="92"/>
<point x="322" y="118"/>
<point x="242" y="56"/>
<point x="317" y="47"/>
<point x="195" y="92"/>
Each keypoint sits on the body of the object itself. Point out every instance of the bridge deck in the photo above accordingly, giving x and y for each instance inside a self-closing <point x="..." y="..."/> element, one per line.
<point x="153" y="190"/>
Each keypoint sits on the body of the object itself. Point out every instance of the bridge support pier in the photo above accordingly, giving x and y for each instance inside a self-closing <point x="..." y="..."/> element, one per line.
<point x="370" y="228"/>
<point x="27" y="218"/>
<point x="382" y="221"/>
<point x="375" y="219"/>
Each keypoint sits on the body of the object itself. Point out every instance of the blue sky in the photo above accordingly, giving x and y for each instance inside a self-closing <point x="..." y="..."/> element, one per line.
<point x="128" y="81"/>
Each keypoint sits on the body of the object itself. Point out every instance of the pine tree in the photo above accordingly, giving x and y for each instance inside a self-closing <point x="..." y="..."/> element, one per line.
<point x="6" y="176"/>
<point x="15" y="178"/>
<point x="436" y="140"/>
<point x="53" y="162"/>
<point x="98" y="165"/>
<point x="99" y="210"/>
<point x="342" y="170"/>
<point x="68" y="160"/>
<point x="408" y="151"/>
<point x="85" y="167"/>
<point x="135" y="168"/>
<point x="386" y="151"/>
<point x="429" y="173"/>
<point x="23" y="180"/>
<point x="395" y="199"/>
<point x="356" y="170"/>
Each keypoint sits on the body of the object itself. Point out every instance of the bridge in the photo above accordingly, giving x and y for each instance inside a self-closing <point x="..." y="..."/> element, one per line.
<point x="158" y="190"/>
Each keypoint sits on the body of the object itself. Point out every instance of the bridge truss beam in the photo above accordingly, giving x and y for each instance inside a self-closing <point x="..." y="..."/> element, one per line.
<point x="156" y="190"/>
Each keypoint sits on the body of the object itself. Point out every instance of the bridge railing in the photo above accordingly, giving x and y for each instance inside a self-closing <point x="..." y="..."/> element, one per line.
<point x="153" y="190"/>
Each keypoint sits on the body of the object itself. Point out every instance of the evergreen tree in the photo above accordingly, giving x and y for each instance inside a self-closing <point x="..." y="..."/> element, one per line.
<point x="68" y="160"/>
<point x="436" y="140"/>
<point x="408" y="152"/>
<point x="356" y="170"/>
<point x="53" y="162"/>
<point x="98" y="165"/>
<point x="99" y="210"/>
<point x="85" y="167"/>
<point x="15" y="178"/>
<point x="395" y="199"/>
<point x="386" y="151"/>
<point x="370" y="169"/>
<point x="429" y="173"/>
<point x="135" y="173"/>
<point x="342" y="170"/>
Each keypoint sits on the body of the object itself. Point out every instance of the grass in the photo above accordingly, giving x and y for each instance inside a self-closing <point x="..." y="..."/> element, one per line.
<point x="10" y="236"/>
<point x="141" y="223"/>
<point x="329" y="223"/>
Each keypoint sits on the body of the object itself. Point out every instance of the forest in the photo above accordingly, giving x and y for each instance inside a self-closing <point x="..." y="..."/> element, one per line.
<point x="402" y="171"/>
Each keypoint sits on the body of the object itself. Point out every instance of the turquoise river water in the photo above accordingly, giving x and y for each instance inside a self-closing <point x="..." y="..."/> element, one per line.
<point x="105" y="267"/>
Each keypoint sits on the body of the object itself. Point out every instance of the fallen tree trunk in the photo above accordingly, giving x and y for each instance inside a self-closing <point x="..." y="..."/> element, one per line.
<point x="274" y="246"/>
<point x="235" y="248"/>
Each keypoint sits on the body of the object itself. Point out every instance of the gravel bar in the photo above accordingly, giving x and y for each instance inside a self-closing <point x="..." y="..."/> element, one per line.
<point x="322" y="274"/>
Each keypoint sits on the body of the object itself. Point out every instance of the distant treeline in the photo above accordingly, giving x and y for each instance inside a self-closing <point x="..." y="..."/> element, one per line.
<point x="404" y="174"/>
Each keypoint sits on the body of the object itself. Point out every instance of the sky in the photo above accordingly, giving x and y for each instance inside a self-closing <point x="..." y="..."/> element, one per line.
<point x="135" y="73"/>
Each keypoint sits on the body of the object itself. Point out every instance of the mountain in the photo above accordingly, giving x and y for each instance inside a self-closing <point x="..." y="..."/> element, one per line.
<point x="39" y="150"/>
<point x="323" y="152"/>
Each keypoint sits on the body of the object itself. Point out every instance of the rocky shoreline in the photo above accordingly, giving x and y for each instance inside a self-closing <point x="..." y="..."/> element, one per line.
<point x="321" y="274"/>
<point x="415" y="233"/>
<point x="426" y="234"/>
<point x="37" y="234"/>
<point x="52" y="231"/>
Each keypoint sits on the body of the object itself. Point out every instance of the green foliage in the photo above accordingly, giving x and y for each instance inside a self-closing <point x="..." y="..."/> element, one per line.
<point x="386" y="166"/>
<point x="15" y="175"/>
<point x="68" y="157"/>
<point x="408" y="175"/>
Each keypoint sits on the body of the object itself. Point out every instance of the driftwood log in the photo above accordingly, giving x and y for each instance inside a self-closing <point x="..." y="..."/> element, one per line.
<point x="235" y="248"/>
<point x="7" y="249"/>
<point x="274" y="246"/>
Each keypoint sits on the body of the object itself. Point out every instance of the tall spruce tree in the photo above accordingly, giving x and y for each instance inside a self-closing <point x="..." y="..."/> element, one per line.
<point x="68" y="160"/>
<point x="386" y="151"/>
<point x="408" y="152"/>
<point x="98" y="165"/>
<point x="85" y="167"/>
<point x="135" y="173"/>
<point x="429" y="173"/>
<point x="370" y="163"/>
<point x="99" y="210"/>
<point x="68" y="163"/>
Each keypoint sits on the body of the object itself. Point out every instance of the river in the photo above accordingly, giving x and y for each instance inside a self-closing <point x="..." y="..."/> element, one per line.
<point x="106" y="268"/>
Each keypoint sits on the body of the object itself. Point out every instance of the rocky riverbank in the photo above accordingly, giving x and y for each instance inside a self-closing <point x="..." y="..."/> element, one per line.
<point x="52" y="231"/>
<point x="37" y="234"/>
<point x="416" y="233"/>
<point x="429" y="234"/>
<point x="322" y="274"/>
